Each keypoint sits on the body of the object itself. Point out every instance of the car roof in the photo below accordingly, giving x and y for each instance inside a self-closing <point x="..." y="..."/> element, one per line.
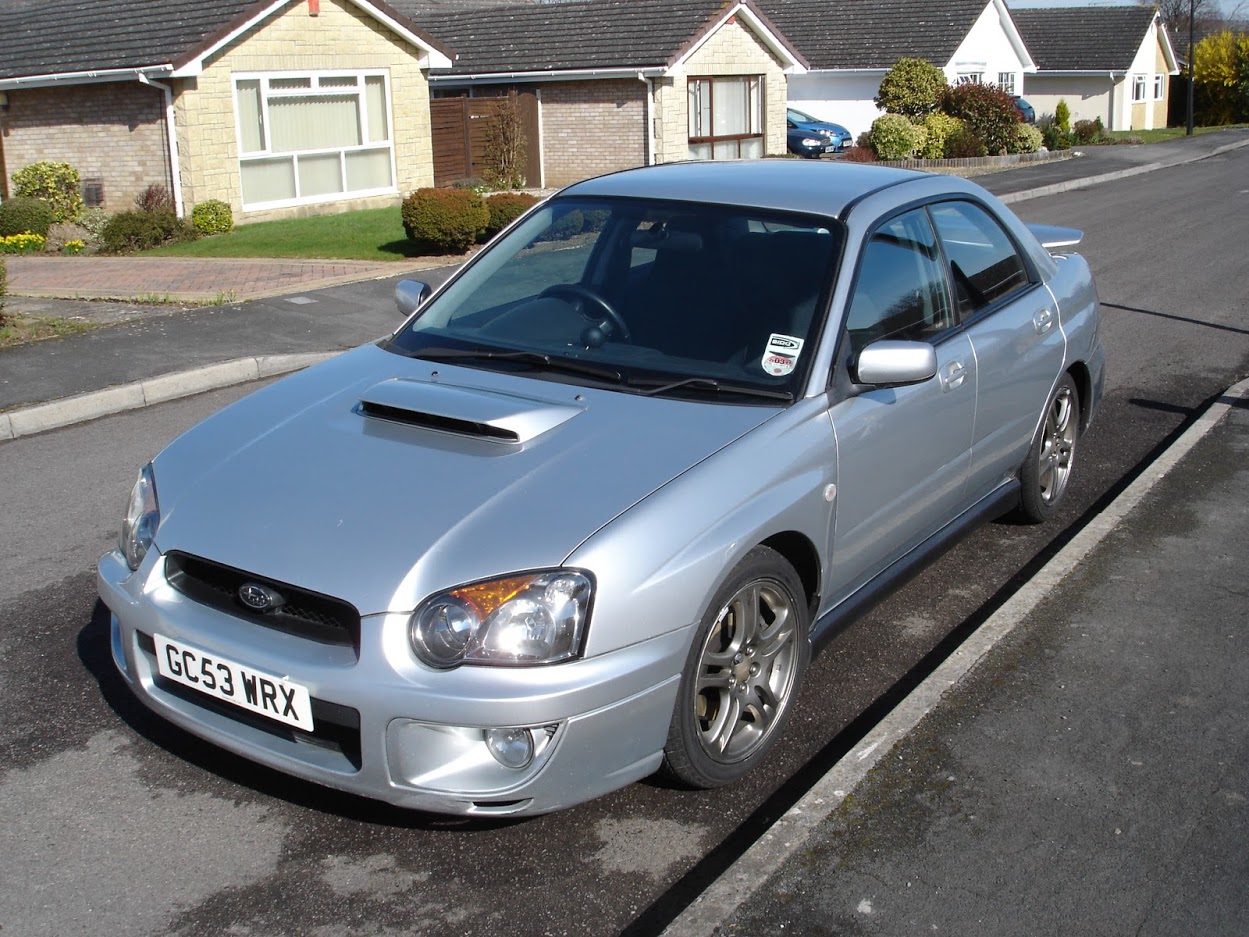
<point x="826" y="187"/>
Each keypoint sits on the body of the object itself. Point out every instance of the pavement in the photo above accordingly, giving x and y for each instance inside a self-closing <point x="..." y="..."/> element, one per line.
<point x="1026" y="787"/>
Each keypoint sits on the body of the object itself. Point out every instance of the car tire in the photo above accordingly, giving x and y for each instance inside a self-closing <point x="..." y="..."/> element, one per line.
<point x="1046" y="474"/>
<point x="742" y="674"/>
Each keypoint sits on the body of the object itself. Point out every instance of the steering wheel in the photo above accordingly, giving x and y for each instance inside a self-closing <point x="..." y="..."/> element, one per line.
<point x="588" y="297"/>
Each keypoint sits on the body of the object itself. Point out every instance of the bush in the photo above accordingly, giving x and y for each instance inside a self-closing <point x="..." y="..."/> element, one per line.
<point x="913" y="87"/>
<point x="93" y="221"/>
<point x="894" y="137"/>
<point x="444" y="220"/>
<point x="56" y="183"/>
<point x="567" y="226"/>
<point x="1027" y="139"/>
<point x="24" y="215"/>
<point x="964" y="143"/>
<point x="212" y="216"/>
<point x="1062" y="116"/>
<point x="154" y="198"/>
<point x="506" y="208"/>
<point x="142" y="230"/>
<point x="859" y="154"/>
<point x="938" y="127"/>
<point x="4" y="288"/>
<point x="1052" y="136"/>
<point x="1086" y="132"/>
<point x="988" y="110"/>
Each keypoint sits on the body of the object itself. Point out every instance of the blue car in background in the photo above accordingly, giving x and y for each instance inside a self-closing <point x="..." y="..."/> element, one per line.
<point x="810" y="136"/>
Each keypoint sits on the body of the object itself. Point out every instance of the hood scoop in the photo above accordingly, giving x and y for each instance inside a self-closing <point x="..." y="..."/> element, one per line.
<point x="463" y="411"/>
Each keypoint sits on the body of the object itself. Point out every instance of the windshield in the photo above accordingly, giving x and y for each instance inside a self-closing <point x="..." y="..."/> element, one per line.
<point x="643" y="296"/>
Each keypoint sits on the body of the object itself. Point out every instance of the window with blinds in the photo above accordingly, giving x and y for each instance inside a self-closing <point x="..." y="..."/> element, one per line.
<point x="314" y="137"/>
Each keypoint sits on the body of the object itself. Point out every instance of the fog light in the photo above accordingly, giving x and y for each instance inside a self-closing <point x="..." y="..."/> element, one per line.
<point x="512" y="748"/>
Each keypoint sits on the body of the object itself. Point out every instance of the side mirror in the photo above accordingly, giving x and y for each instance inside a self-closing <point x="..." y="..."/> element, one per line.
<point x="895" y="363"/>
<point x="409" y="294"/>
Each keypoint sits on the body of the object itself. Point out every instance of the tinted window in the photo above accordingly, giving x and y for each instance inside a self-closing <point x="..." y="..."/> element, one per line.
<point x="983" y="260"/>
<point x="900" y="289"/>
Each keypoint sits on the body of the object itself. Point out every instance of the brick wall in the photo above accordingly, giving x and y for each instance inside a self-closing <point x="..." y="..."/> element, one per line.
<point x="341" y="37"/>
<point x="592" y="127"/>
<point x="732" y="50"/>
<point x="113" y="132"/>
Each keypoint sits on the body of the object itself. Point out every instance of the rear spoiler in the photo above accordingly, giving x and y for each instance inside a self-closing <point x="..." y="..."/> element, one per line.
<point x="1055" y="238"/>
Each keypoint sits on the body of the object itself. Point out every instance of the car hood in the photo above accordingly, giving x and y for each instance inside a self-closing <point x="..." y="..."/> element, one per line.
<point x="378" y="478"/>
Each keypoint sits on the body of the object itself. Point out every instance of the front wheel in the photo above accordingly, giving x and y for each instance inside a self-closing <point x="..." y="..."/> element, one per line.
<point x="742" y="674"/>
<point x="1047" y="471"/>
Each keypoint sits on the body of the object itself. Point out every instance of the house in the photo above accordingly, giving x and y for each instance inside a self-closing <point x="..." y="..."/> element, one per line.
<point x="621" y="83"/>
<point x="277" y="107"/>
<point x="1107" y="62"/>
<point x="852" y="44"/>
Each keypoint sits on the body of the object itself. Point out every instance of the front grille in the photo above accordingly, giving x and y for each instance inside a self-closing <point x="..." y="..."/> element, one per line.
<point x="304" y="613"/>
<point x="334" y="726"/>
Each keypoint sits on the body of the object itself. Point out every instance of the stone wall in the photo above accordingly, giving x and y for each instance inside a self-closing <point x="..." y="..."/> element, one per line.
<point x="112" y="133"/>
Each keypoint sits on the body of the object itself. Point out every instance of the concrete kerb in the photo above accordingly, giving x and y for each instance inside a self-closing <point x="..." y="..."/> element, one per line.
<point x="69" y="410"/>
<point x="788" y="835"/>
<point x="1073" y="184"/>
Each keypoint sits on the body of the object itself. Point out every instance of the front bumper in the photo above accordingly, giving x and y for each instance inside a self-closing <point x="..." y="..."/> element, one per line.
<point x="388" y="728"/>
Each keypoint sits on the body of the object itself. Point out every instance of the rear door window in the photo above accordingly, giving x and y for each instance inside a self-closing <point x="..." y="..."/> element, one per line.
<point x="984" y="263"/>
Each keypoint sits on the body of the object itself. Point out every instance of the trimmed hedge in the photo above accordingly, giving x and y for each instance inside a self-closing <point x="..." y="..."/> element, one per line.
<point x="506" y="208"/>
<point x="1027" y="139"/>
<point x="895" y="137"/>
<point x="25" y="215"/>
<point x="444" y="220"/>
<point x="140" y="230"/>
<point x="913" y="87"/>
<point x="212" y="216"/>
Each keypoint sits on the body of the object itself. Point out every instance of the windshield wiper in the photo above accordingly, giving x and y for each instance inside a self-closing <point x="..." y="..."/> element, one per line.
<point x="535" y="358"/>
<point x="661" y="385"/>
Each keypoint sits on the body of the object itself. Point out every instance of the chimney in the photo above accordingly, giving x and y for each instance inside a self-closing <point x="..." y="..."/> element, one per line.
<point x="314" y="7"/>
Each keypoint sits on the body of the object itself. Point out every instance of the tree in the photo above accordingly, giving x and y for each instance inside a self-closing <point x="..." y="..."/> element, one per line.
<point x="1221" y="70"/>
<point x="1175" y="16"/>
<point x="913" y="87"/>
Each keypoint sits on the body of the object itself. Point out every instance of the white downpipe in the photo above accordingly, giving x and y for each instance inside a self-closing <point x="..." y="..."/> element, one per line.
<point x="648" y="108"/>
<point x="537" y="93"/>
<point x="175" y="165"/>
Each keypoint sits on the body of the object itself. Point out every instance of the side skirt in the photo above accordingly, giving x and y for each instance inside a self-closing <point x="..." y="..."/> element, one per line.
<point x="902" y="570"/>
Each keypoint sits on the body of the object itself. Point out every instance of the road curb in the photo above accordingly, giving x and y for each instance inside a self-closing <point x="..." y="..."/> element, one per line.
<point x="1073" y="184"/>
<point x="789" y="834"/>
<point x="69" y="410"/>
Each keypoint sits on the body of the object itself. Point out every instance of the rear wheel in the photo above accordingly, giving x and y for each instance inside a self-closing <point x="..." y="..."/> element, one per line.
<point x="742" y="674"/>
<point x="1047" y="471"/>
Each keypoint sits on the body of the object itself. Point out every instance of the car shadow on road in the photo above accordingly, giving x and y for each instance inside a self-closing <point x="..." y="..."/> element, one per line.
<point x="93" y="646"/>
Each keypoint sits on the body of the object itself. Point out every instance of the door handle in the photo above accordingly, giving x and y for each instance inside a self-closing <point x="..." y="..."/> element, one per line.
<point x="953" y="375"/>
<point x="1043" y="321"/>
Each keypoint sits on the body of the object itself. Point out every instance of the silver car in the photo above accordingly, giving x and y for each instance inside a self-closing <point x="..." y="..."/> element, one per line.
<point x="587" y="514"/>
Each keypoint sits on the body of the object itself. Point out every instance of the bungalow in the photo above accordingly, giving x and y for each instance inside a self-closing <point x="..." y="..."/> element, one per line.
<point x="1107" y="62"/>
<point x="277" y="107"/>
<point x="852" y="44"/>
<point x="620" y="83"/>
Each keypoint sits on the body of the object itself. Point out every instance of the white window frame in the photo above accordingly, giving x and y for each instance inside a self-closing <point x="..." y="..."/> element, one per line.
<point x="1006" y="81"/>
<point x="970" y="78"/>
<point x="1138" y="88"/>
<point x="1160" y="87"/>
<point x="756" y="119"/>
<point x="268" y="153"/>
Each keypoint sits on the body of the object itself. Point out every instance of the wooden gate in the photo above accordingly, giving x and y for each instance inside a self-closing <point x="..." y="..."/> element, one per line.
<point x="459" y="127"/>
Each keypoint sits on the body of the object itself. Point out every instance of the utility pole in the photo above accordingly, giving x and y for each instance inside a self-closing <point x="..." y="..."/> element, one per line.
<point x="1192" y="72"/>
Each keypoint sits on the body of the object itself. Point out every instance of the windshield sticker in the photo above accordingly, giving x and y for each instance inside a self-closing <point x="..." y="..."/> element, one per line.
<point x="781" y="355"/>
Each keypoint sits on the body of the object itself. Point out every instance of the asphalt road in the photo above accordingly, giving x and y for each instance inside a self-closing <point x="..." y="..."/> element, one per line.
<point x="113" y="822"/>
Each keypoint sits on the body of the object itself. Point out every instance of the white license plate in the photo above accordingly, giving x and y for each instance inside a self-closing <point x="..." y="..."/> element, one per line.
<point x="831" y="149"/>
<point x="263" y="693"/>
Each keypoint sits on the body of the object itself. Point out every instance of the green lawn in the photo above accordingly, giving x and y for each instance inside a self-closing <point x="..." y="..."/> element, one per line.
<point x="371" y="234"/>
<point x="1167" y="133"/>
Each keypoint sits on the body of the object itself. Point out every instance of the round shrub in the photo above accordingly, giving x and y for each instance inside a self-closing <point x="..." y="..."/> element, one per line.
<point x="56" y="183"/>
<point x="913" y="87"/>
<point x="1085" y="132"/>
<point x="939" y="127"/>
<point x="988" y="110"/>
<point x="212" y="217"/>
<point x="141" y="230"/>
<point x="894" y="137"/>
<point x="506" y="208"/>
<point x="1027" y="139"/>
<point x="23" y="215"/>
<point x="444" y="220"/>
<point x="568" y="225"/>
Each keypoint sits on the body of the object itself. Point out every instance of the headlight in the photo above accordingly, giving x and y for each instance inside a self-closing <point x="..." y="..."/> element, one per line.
<point x="138" y="529"/>
<point x="812" y="141"/>
<point x="534" y="618"/>
<point x="826" y="133"/>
